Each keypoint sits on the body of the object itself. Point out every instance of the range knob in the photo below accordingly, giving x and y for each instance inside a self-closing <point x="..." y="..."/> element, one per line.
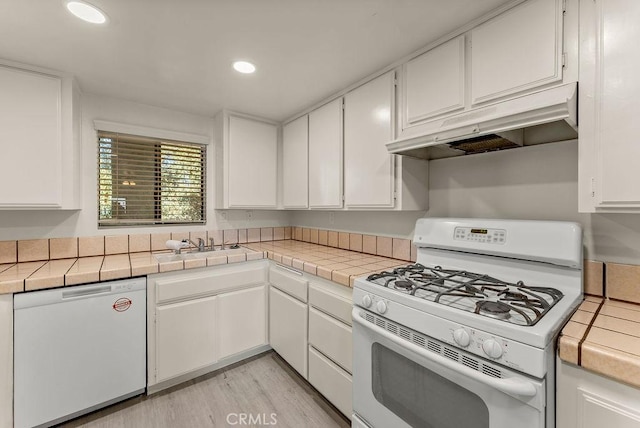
<point x="492" y="348"/>
<point x="381" y="307"/>
<point x="461" y="337"/>
<point x="366" y="301"/>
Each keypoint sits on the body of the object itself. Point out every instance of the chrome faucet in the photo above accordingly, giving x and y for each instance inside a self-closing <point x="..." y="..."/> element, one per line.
<point x="199" y="245"/>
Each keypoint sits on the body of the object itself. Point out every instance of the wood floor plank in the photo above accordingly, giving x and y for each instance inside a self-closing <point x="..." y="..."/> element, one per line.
<point x="261" y="386"/>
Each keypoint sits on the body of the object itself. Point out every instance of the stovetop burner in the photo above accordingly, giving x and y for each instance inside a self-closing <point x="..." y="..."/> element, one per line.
<point x="515" y="303"/>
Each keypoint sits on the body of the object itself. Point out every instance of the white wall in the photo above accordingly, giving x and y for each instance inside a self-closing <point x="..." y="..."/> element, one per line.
<point x="538" y="182"/>
<point x="50" y="224"/>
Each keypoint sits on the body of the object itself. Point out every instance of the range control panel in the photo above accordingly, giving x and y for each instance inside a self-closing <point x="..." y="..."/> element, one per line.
<point x="488" y="236"/>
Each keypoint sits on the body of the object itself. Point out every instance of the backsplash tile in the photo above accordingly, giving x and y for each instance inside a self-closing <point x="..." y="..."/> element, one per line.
<point x="230" y="236"/>
<point x="140" y="243"/>
<point x="306" y="235"/>
<point x="91" y="246"/>
<point x="384" y="246"/>
<point x="332" y="238"/>
<point x="33" y="250"/>
<point x="593" y="277"/>
<point x="355" y="242"/>
<point x="242" y="236"/>
<point x="369" y="244"/>
<point x="278" y="233"/>
<point x="287" y="232"/>
<point x="179" y="236"/>
<point x="118" y="244"/>
<point x="253" y="235"/>
<point x="63" y="248"/>
<point x="323" y="237"/>
<point x="266" y="234"/>
<point x="622" y="282"/>
<point x="297" y="233"/>
<point x="201" y="234"/>
<point x="401" y="249"/>
<point x="217" y="236"/>
<point x="343" y="240"/>
<point x="8" y="251"/>
<point x="314" y="236"/>
<point x="159" y="241"/>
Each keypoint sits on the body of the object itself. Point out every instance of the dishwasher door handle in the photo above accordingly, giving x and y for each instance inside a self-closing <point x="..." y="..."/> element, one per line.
<point x="85" y="292"/>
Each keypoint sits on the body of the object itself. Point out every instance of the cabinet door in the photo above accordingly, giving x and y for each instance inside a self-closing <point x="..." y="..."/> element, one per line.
<point x="617" y="91"/>
<point x="252" y="164"/>
<point x="242" y="322"/>
<point x="368" y="166"/>
<point x="518" y="50"/>
<point x="31" y="139"/>
<point x="597" y="411"/>
<point x="433" y="83"/>
<point x="325" y="156"/>
<point x="185" y="337"/>
<point x="288" y="329"/>
<point x="295" y="163"/>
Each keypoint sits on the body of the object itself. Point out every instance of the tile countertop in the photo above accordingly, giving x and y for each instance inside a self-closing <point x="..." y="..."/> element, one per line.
<point x="334" y="264"/>
<point x="338" y="265"/>
<point x="603" y="336"/>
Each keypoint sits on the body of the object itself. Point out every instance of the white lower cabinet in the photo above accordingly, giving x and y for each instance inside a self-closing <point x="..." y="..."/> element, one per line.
<point x="288" y="329"/>
<point x="332" y="381"/>
<point x="241" y="320"/>
<point x="588" y="400"/>
<point x="185" y="337"/>
<point x="203" y="319"/>
<point x="330" y="343"/>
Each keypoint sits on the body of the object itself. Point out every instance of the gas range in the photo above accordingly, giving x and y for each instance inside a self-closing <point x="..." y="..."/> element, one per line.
<point x="468" y="287"/>
<point x="475" y="318"/>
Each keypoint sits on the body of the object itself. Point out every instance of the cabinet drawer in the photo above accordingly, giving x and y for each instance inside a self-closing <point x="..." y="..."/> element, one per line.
<point x="336" y="306"/>
<point x="287" y="281"/>
<point x="332" y="382"/>
<point x="288" y="329"/>
<point x="331" y="337"/>
<point x="183" y="285"/>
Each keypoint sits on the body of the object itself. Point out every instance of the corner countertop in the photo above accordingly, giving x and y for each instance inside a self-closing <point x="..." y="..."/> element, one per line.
<point x="337" y="265"/>
<point x="603" y="336"/>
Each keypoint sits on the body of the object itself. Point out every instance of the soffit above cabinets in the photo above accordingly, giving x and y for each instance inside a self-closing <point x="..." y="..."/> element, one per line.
<point x="179" y="54"/>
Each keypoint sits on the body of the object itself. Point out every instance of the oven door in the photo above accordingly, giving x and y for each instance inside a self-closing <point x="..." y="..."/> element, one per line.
<point x="398" y="383"/>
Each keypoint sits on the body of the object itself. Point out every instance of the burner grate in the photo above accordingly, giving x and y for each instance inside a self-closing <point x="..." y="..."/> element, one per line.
<point x="482" y="294"/>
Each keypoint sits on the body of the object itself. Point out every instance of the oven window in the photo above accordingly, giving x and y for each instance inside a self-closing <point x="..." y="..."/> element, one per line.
<point x="421" y="397"/>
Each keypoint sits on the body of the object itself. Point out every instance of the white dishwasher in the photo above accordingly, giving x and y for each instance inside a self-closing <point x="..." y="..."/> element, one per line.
<point x="77" y="349"/>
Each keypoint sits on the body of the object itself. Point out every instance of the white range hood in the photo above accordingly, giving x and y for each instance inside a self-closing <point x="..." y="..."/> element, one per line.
<point x="541" y="117"/>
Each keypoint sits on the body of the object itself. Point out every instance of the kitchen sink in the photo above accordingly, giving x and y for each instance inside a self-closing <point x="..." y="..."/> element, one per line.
<point x="170" y="257"/>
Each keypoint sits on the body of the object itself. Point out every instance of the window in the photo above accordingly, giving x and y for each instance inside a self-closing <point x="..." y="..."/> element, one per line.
<point x="145" y="181"/>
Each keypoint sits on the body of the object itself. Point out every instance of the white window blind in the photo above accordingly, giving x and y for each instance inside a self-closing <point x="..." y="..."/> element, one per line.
<point x="145" y="181"/>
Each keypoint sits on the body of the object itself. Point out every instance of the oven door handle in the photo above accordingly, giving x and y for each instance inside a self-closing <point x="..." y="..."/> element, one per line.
<point x="511" y="386"/>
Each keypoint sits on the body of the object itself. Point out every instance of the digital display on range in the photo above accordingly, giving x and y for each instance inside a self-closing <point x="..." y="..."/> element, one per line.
<point x="481" y="231"/>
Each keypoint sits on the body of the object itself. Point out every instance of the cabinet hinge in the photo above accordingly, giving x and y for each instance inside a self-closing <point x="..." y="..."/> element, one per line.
<point x="593" y="187"/>
<point x="564" y="59"/>
<point x="564" y="6"/>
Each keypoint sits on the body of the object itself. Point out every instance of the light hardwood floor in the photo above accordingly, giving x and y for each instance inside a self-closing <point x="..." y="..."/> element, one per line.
<point x="261" y="386"/>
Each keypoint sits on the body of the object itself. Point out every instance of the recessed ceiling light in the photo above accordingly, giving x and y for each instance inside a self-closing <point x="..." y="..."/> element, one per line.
<point x="86" y="12"/>
<point x="244" y="67"/>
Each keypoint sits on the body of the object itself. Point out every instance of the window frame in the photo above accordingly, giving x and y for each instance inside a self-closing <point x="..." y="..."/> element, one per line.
<point x="161" y="136"/>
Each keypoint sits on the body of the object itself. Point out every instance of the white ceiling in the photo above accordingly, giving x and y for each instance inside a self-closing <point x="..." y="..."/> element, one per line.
<point x="178" y="53"/>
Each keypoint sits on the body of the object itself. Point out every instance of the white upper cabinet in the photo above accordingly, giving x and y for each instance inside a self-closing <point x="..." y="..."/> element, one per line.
<point x="517" y="50"/>
<point x="246" y="167"/>
<point x="39" y="137"/>
<point x="295" y="163"/>
<point x="433" y="83"/>
<point x="368" y="166"/>
<point x="609" y="103"/>
<point x="325" y="156"/>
